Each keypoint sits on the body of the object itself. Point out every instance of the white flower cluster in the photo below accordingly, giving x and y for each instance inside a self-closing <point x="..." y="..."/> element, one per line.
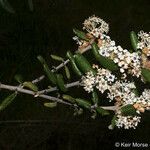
<point x="144" y="40"/>
<point x="96" y="26"/>
<point x="88" y="82"/>
<point x="102" y="80"/>
<point x="122" y="93"/>
<point x="127" y="121"/>
<point x="130" y="62"/>
<point x="143" y="102"/>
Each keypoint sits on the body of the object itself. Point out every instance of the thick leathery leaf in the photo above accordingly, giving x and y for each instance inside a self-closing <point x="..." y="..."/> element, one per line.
<point x="18" y="78"/>
<point x="31" y="86"/>
<point x="41" y="59"/>
<point x="134" y="40"/>
<point x="58" y="58"/>
<point x="105" y="62"/>
<point x="95" y="98"/>
<point x="68" y="98"/>
<point x="51" y="76"/>
<point x="128" y="110"/>
<point x="113" y="123"/>
<point x="83" y="103"/>
<point x="146" y="74"/>
<point x="80" y="34"/>
<point x="8" y="100"/>
<point x="83" y="64"/>
<point x="73" y="64"/>
<point x="51" y="104"/>
<point x="60" y="83"/>
<point x="67" y="72"/>
<point x="102" y="111"/>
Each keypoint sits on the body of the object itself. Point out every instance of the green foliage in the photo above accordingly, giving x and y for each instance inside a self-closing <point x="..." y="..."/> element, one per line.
<point x="80" y="34"/>
<point x="95" y="98"/>
<point x="105" y="62"/>
<point x="102" y="111"/>
<point x="128" y="110"/>
<point x="113" y="122"/>
<point x="8" y="100"/>
<point x="146" y="74"/>
<point x="31" y="86"/>
<point x="51" y="76"/>
<point x="68" y="98"/>
<point x="83" y="64"/>
<point x="58" y="58"/>
<point x="134" y="40"/>
<point x="60" y="82"/>
<point x="67" y="72"/>
<point x="41" y="59"/>
<point x="18" y="78"/>
<point x="73" y="64"/>
<point x="83" y="103"/>
<point x="50" y="104"/>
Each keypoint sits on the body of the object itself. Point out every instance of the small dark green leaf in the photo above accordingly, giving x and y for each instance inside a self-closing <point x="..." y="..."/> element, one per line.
<point x="113" y="123"/>
<point x="102" y="111"/>
<point x="18" y="78"/>
<point x="105" y="62"/>
<point x="31" y="86"/>
<point x="83" y="103"/>
<point x="50" y="105"/>
<point x="60" y="82"/>
<point x="80" y="34"/>
<point x="41" y="59"/>
<point x="95" y="98"/>
<point x="58" y="58"/>
<point x="51" y="76"/>
<point x="83" y="64"/>
<point x="73" y="64"/>
<point x="134" y="40"/>
<point x="136" y="92"/>
<point x="67" y="72"/>
<point x="128" y="110"/>
<point x="8" y="100"/>
<point x="68" y="98"/>
<point x="146" y="74"/>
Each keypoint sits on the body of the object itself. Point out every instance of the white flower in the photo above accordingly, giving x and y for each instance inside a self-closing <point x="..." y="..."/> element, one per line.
<point x="88" y="82"/>
<point x="127" y="122"/>
<point x="112" y="43"/>
<point x="144" y="40"/>
<point x="96" y="26"/>
<point x="121" y="70"/>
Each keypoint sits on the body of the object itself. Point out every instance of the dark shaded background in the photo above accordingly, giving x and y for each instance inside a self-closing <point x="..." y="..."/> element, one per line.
<point x="46" y="30"/>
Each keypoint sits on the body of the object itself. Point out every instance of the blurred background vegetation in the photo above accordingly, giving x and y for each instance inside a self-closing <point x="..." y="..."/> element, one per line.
<point x="45" y="30"/>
